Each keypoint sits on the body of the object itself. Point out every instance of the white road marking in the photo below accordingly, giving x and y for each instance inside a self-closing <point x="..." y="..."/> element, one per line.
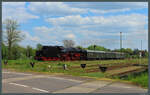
<point x="19" y="84"/>
<point x="40" y="90"/>
<point x="17" y="73"/>
<point x="21" y="78"/>
<point x="31" y="87"/>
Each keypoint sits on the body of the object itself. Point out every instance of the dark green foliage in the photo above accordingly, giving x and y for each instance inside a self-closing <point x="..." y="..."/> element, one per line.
<point x="79" y="47"/>
<point x="99" y="48"/>
<point x="18" y="52"/>
<point x="133" y="53"/>
<point x="30" y="52"/>
<point x="141" y="79"/>
<point x="136" y="52"/>
<point x="4" y="51"/>
<point x="145" y="53"/>
<point x="38" y="46"/>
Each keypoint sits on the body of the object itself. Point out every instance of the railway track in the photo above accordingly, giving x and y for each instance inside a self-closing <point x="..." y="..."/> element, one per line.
<point x="114" y="69"/>
<point x="119" y="70"/>
<point x="125" y="71"/>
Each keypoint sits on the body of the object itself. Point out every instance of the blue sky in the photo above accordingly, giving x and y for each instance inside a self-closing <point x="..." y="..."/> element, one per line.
<point x="86" y="23"/>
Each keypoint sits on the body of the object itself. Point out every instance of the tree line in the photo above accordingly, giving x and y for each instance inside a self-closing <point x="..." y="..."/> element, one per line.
<point x="135" y="53"/>
<point x="12" y="50"/>
<point x="19" y="52"/>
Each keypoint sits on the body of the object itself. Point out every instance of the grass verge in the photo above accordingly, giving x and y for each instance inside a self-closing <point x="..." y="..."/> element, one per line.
<point x="56" y="68"/>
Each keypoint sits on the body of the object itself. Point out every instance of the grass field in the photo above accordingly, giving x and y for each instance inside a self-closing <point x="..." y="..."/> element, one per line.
<point x="141" y="79"/>
<point x="56" y="67"/>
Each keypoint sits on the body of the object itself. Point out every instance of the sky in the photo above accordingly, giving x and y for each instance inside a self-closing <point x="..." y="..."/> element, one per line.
<point x="86" y="23"/>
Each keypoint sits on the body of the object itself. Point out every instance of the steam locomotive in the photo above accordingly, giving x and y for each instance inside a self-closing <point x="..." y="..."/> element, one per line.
<point x="53" y="53"/>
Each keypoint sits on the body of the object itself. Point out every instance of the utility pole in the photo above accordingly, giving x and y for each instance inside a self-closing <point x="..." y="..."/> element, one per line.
<point x="141" y="50"/>
<point x="141" y="45"/>
<point x="120" y="40"/>
<point x="121" y="43"/>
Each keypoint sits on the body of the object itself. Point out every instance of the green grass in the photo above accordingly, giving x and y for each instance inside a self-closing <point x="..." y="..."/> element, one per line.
<point x="43" y="65"/>
<point x="95" y="74"/>
<point x="141" y="79"/>
<point x="56" y="67"/>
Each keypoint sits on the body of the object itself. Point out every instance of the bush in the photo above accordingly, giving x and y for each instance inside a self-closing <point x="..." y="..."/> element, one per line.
<point x="141" y="79"/>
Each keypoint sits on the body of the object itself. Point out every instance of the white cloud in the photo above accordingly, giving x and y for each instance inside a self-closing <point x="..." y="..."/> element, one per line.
<point x="105" y="29"/>
<point x="49" y="36"/>
<point x="47" y="9"/>
<point x="105" y="7"/>
<point x="54" y="35"/>
<point x="132" y="20"/>
<point x="17" y="11"/>
<point x="43" y="29"/>
<point x="31" y="38"/>
<point x="54" y="8"/>
<point x="66" y="22"/>
<point x="100" y="11"/>
<point x="13" y="4"/>
<point x="70" y="36"/>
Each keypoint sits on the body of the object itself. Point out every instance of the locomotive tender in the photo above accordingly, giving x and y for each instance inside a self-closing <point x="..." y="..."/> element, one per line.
<point x="53" y="53"/>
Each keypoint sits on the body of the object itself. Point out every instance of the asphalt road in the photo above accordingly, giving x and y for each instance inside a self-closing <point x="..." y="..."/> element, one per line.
<point x="15" y="82"/>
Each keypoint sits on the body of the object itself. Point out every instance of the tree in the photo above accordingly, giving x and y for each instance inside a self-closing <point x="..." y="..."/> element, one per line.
<point x="4" y="51"/>
<point x="22" y="52"/>
<point x="129" y="51"/>
<point x="144" y="53"/>
<point x="96" y="47"/>
<point x="136" y="52"/>
<point x="13" y="35"/>
<point x="79" y="47"/>
<point x="16" y="53"/>
<point x="38" y="46"/>
<point x="29" y="52"/>
<point x="68" y="43"/>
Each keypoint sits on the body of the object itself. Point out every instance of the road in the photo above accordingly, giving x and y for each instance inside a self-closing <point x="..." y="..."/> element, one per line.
<point x="16" y="82"/>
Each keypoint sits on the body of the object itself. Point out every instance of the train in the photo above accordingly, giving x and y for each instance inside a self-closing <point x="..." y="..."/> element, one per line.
<point x="54" y="53"/>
